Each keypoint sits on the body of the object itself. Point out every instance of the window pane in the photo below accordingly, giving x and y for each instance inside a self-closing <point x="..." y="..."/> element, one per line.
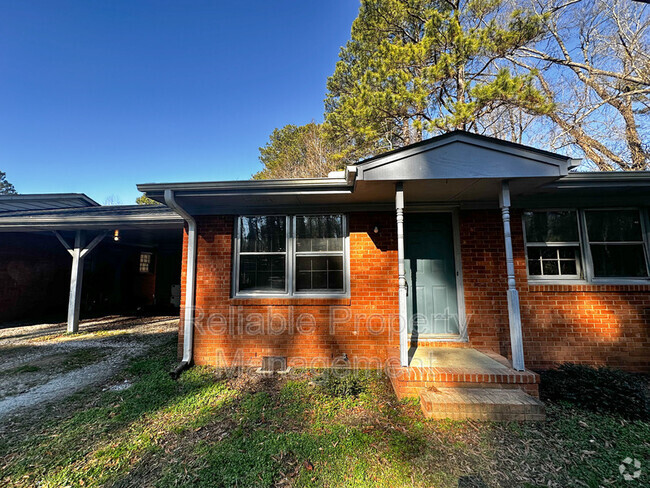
<point x="613" y="225"/>
<point x="618" y="260"/>
<point x="550" y="268"/>
<point x="568" y="267"/>
<point x="319" y="273"/>
<point x="534" y="267"/>
<point x="262" y="273"/>
<point x="553" y="261"/>
<point x="319" y="233"/>
<point x="263" y="234"/>
<point x="145" y="262"/>
<point x="560" y="226"/>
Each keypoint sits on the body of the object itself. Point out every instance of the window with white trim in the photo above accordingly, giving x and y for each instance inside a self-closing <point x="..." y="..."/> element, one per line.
<point x="291" y="255"/>
<point x="263" y="253"/>
<point x="553" y="244"/>
<point x="587" y="244"/>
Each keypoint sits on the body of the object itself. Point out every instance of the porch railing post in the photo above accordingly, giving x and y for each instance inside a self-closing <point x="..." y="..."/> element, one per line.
<point x="514" y="312"/>
<point x="403" y="320"/>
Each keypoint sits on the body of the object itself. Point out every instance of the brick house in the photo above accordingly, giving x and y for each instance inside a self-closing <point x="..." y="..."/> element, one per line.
<point x="418" y="260"/>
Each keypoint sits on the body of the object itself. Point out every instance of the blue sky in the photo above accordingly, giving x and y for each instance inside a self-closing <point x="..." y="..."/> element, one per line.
<point x="96" y="96"/>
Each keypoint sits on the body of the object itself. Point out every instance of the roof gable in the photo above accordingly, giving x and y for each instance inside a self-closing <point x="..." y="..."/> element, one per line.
<point x="462" y="155"/>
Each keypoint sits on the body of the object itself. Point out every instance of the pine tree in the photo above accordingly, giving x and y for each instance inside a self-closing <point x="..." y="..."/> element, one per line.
<point x="6" y="188"/>
<point x="297" y="152"/>
<point x="415" y="67"/>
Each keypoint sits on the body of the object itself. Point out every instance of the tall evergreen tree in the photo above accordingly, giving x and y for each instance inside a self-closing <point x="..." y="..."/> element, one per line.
<point x="297" y="152"/>
<point x="6" y="188"/>
<point x="422" y="66"/>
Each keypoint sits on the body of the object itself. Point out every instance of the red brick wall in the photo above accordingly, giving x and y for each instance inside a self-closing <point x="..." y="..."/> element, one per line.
<point x="591" y="324"/>
<point x="310" y="332"/>
<point x="578" y="323"/>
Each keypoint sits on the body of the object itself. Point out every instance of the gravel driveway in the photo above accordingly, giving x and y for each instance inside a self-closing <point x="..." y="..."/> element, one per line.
<point x="41" y="363"/>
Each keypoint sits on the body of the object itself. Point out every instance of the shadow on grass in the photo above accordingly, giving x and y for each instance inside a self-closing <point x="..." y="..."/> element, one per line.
<point x="97" y="440"/>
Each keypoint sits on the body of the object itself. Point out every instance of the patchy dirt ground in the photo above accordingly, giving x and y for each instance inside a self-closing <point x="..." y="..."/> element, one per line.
<point x="42" y="363"/>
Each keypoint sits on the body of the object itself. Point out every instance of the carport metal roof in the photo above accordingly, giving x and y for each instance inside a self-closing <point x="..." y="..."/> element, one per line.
<point x="36" y="201"/>
<point x="91" y="218"/>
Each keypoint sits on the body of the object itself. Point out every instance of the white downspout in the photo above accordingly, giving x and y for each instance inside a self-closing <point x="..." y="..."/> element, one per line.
<point x="190" y="283"/>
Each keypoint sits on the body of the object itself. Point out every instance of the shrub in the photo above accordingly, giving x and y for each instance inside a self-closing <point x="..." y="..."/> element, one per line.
<point x="344" y="382"/>
<point x="601" y="389"/>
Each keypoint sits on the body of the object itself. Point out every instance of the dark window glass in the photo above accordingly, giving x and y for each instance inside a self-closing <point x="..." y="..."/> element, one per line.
<point x="534" y="267"/>
<point x="618" y="260"/>
<point x="553" y="261"/>
<point x="319" y="233"/>
<point x="262" y="272"/>
<point x="556" y="226"/>
<point x="315" y="273"/>
<point x="568" y="267"/>
<point x="263" y="234"/>
<point x="613" y="225"/>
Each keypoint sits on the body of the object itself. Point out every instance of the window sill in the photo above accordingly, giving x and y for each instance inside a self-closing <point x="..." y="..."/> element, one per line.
<point x="584" y="286"/>
<point x="596" y="282"/>
<point x="290" y="301"/>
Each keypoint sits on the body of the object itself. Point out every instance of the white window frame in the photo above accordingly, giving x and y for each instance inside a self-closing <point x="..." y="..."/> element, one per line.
<point x="290" y="260"/>
<point x="644" y="242"/>
<point x="586" y="259"/>
<point x="578" y="277"/>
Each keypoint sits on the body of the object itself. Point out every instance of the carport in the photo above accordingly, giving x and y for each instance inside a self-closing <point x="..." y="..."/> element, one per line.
<point x="95" y="259"/>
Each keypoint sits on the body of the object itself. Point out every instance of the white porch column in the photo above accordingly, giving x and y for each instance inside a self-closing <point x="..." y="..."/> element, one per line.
<point x="403" y="319"/>
<point x="76" y="279"/>
<point x="78" y="253"/>
<point x="514" y="313"/>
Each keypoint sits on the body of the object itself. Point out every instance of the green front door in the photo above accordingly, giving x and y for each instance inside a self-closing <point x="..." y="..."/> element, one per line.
<point x="432" y="302"/>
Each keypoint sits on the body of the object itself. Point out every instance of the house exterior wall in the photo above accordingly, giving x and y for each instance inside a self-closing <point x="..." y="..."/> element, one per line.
<point x="589" y="324"/>
<point x="310" y="332"/>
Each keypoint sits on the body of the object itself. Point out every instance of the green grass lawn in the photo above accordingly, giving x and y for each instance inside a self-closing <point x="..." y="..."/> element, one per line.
<point x="217" y="429"/>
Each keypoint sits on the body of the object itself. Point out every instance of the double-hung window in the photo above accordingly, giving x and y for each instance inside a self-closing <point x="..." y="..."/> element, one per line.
<point x="301" y="255"/>
<point x="263" y="254"/>
<point x="591" y="245"/>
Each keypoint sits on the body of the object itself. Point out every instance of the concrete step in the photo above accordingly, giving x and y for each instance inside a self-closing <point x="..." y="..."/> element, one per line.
<point x="498" y="404"/>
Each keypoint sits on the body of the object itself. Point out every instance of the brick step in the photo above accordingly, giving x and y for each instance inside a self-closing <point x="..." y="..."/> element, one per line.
<point x="498" y="404"/>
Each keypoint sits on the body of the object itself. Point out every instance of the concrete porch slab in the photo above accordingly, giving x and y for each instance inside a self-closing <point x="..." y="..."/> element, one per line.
<point x="460" y="360"/>
<point x="453" y="367"/>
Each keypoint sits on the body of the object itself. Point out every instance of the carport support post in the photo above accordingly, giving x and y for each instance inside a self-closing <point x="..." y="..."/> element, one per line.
<point x="402" y="290"/>
<point x="514" y="313"/>
<point x="76" y="279"/>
